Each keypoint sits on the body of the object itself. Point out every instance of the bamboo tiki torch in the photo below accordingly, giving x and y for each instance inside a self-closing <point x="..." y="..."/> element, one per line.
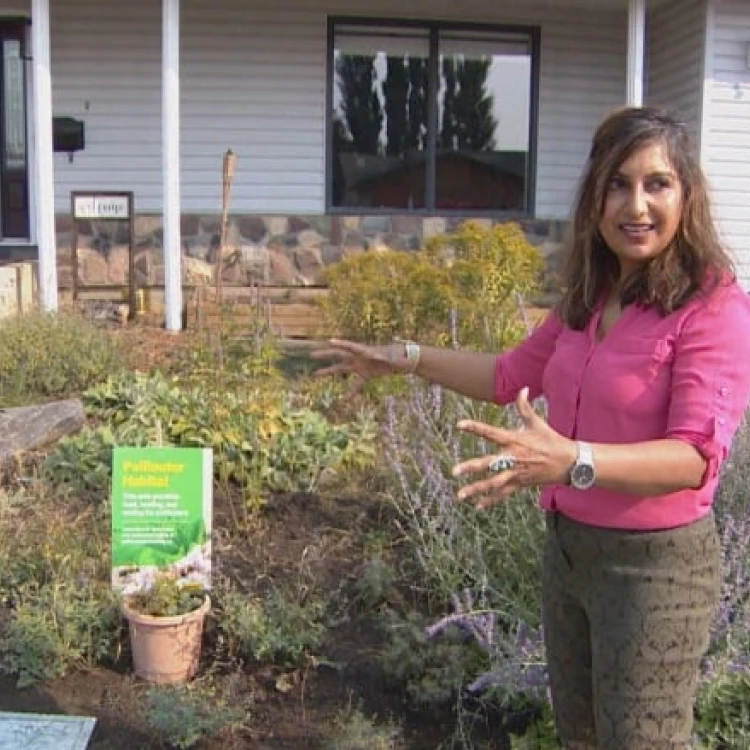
<point x="227" y="178"/>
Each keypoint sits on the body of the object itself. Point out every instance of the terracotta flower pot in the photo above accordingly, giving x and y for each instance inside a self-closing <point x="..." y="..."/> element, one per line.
<point x="166" y="650"/>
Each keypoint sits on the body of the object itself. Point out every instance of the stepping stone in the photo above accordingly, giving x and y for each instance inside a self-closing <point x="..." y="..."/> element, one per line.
<point x="44" y="732"/>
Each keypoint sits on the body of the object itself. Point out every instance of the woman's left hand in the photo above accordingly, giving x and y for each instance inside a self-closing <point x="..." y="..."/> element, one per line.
<point x="539" y="456"/>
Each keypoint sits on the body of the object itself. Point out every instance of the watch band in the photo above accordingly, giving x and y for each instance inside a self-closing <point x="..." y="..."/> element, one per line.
<point x="585" y="453"/>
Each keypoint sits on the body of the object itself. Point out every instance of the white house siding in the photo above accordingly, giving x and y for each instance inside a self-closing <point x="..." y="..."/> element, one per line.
<point x="675" y="46"/>
<point x="254" y="80"/>
<point x="106" y="71"/>
<point x="726" y="125"/>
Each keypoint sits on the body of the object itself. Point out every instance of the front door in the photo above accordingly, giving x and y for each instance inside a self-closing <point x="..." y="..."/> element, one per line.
<point x="14" y="176"/>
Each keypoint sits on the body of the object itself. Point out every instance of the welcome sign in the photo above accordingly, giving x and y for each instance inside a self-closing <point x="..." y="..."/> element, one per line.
<point x="161" y="515"/>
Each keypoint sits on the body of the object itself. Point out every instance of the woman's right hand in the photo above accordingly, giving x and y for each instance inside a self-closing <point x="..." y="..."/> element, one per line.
<point x="365" y="362"/>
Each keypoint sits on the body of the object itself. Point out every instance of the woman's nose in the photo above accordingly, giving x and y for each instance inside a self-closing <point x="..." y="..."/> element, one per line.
<point x="638" y="201"/>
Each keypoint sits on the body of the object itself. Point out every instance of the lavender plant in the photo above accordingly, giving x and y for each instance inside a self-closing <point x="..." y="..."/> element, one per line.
<point x="723" y="706"/>
<point x="495" y="553"/>
<point x="484" y="564"/>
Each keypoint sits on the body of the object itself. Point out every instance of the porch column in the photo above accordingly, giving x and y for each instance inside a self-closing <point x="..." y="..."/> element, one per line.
<point x="43" y="167"/>
<point x="636" y="52"/>
<point x="171" y="163"/>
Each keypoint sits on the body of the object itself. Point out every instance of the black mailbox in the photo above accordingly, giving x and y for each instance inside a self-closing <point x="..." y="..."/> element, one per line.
<point x="68" y="134"/>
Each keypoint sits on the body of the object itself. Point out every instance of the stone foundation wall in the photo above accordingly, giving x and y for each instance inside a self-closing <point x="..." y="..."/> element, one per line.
<point x="276" y="250"/>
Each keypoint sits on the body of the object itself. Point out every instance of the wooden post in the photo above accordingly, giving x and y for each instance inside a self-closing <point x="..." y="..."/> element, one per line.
<point x="227" y="178"/>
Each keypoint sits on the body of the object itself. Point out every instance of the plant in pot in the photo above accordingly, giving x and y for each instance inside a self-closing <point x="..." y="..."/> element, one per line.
<point x="165" y="621"/>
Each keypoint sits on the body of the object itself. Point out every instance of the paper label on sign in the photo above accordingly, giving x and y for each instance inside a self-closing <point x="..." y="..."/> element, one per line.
<point x="101" y="207"/>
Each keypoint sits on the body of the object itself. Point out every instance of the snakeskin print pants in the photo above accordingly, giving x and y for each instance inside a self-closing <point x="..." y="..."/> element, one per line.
<point x="627" y="618"/>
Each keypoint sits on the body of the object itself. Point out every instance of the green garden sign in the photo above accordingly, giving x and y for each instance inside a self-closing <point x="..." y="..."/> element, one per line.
<point x="161" y="515"/>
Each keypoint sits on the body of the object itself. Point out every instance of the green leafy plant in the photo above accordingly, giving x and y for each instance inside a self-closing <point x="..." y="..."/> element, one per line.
<point x="472" y="277"/>
<point x="183" y="716"/>
<point x="167" y="596"/>
<point x="381" y="294"/>
<point x="263" y="443"/>
<point x="433" y="673"/>
<point x="57" y="626"/>
<point x="353" y="730"/>
<point x="540" y="732"/>
<point x="53" y="355"/>
<point x="490" y="268"/>
<point x="276" y="628"/>
<point x="722" y="711"/>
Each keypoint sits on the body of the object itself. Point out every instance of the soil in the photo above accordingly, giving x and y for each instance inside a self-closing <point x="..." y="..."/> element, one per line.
<point x="284" y="709"/>
<point x="310" y="533"/>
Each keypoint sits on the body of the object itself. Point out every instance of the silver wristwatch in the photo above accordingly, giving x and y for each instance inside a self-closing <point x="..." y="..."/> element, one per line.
<point x="583" y="473"/>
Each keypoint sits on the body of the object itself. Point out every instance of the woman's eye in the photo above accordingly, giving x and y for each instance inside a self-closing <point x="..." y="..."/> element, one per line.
<point x="658" y="184"/>
<point x="616" y="184"/>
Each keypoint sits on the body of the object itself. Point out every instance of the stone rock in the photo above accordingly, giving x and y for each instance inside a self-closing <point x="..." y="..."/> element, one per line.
<point x="309" y="261"/>
<point x="189" y="225"/>
<point x="108" y="233"/>
<point x="147" y="225"/>
<point x="331" y="254"/>
<point x="402" y="241"/>
<point x="197" y="246"/>
<point x="377" y="245"/>
<point x="233" y="238"/>
<point x="92" y="268"/>
<point x="84" y="226"/>
<point x="197" y="271"/>
<point x="85" y="242"/>
<point x="232" y="272"/>
<point x="281" y="270"/>
<point x="298" y="224"/>
<point x="118" y="263"/>
<point x="158" y="274"/>
<point x="309" y="239"/>
<point x="350" y="223"/>
<point x="277" y="225"/>
<point x="64" y="277"/>
<point x="253" y="257"/>
<point x="64" y="253"/>
<point x="375" y="224"/>
<point x="405" y="224"/>
<point x="433" y="226"/>
<point x="63" y="224"/>
<point x="26" y="428"/>
<point x="253" y="228"/>
<point x="348" y="250"/>
<point x="355" y="239"/>
<point x="210" y="224"/>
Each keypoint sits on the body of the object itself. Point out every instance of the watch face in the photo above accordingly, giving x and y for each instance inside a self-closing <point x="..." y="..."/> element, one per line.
<point x="582" y="476"/>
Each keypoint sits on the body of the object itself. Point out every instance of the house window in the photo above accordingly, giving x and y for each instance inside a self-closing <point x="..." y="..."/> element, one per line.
<point x="431" y="117"/>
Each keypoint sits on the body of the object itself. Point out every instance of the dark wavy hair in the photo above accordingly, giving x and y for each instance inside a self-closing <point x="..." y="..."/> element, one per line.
<point x="695" y="261"/>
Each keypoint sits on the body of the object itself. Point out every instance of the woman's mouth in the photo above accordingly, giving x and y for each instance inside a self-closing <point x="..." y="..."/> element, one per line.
<point x="637" y="232"/>
<point x="637" y="229"/>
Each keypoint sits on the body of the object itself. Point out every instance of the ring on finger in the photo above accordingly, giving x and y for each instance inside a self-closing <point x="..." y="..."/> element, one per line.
<point x="501" y="463"/>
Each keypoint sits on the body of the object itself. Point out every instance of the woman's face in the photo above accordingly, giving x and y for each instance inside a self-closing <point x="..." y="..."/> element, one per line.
<point x="642" y="208"/>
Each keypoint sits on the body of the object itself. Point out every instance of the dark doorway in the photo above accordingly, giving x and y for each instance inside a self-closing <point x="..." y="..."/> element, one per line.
<point x="14" y="174"/>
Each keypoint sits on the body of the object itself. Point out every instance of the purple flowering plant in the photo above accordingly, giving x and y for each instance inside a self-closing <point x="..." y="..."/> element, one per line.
<point x="480" y="570"/>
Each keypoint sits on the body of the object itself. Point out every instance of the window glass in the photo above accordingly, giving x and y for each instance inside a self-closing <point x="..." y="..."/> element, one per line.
<point x="484" y="103"/>
<point x="14" y="122"/>
<point x="458" y="142"/>
<point x="379" y="118"/>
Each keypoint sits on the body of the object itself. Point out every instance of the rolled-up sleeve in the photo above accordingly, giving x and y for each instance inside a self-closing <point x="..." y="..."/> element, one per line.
<point x="524" y="365"/>
<point x="711" y="376"/>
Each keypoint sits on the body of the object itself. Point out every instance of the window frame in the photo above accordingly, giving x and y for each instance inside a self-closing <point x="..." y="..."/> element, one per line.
<point x="433" y="29"/>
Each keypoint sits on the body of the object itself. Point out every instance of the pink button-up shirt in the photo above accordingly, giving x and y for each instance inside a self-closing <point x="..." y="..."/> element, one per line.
<point x="684" y="376"/>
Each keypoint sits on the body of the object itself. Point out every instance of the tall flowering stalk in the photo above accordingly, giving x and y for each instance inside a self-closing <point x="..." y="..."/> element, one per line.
<point x="730" y="636"/>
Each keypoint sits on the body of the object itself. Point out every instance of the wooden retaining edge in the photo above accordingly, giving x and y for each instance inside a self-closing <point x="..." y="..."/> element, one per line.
<point x="289" y="312"/>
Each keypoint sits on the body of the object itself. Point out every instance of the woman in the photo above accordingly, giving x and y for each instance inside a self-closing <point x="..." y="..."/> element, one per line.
<point x="644" y="365"/>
